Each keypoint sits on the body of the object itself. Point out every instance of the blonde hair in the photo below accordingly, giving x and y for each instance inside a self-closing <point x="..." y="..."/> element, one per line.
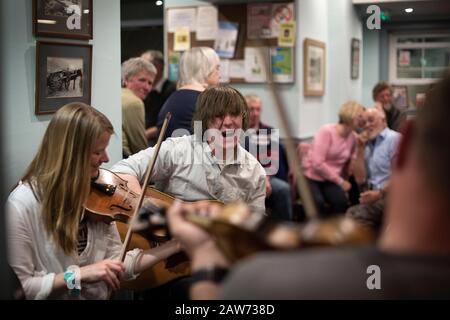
<point x="196" y="65"/>
<point x="59" y="174"/>
<point x="349" y="111"/>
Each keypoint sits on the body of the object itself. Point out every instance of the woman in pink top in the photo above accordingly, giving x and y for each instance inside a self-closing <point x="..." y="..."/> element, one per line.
<point x="328" y="161"/>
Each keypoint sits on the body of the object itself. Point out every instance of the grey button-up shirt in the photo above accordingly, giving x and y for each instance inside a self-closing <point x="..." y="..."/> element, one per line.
<point x="186" y="169"/>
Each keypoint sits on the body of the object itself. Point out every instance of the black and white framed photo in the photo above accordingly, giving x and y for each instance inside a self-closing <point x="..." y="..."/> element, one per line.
<point x="63" y="75"/>
<point x="63" y="18"/>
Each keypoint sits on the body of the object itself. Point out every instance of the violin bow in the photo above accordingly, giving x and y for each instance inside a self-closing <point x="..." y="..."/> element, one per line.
<point x="148" y="174"/>
<point x="293" y="158"/>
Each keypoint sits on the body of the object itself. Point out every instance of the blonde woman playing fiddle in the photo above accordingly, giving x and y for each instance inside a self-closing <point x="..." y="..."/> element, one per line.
<point x="55" y="249"/>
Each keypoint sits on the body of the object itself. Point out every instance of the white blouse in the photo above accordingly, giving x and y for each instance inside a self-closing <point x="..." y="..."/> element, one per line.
<point x="36" y="259"/>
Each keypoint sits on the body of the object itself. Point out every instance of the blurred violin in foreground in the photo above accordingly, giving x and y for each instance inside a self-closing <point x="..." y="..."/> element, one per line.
<point x="240" y="233"/>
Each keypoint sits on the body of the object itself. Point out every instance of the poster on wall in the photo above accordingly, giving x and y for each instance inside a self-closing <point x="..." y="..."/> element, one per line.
<point x="182" y="39"/>
<point x="404" y="58"/>
<point x="258" y="20"/>
<point x="237" y="69"/>
<point x="286" y="38"/>
<point x="225" y="44"/>
<point x="181" y="17"/>
<point x="255" y="68"/>
<point x="207" y="23"/>
<point x="282" y="61"/>
<point x="281" y="13"/>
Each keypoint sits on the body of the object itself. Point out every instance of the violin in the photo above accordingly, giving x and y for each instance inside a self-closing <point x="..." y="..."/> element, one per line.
<point x="109" y="200"/>
<point x="238" y="232"/>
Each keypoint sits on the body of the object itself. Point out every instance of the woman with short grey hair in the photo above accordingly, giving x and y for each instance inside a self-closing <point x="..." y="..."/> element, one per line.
<point x="199" y="69"/>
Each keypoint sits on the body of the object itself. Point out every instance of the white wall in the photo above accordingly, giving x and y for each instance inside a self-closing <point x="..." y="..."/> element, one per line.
<point x="22" y="129"/>
<point x="343" y="25"/>
<point x="335" y="23"/>
<point x="372" y="60"/>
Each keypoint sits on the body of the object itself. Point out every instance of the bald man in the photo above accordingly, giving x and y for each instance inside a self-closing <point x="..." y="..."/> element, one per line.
<point x="377" y="148"/>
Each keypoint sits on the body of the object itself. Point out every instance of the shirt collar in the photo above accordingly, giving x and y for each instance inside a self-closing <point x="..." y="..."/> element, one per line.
<point x="383" y="133"/>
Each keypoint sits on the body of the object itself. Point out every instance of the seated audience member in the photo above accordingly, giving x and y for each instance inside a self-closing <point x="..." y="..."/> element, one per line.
<point x="376" y="151"/>
<point x="137" y="79"/>
<point x="210" y="164"/>
<point x="57" y="250"/>
<point x="263" y="146"/>
<point x="382" y="95"/>
<point x="411" y="260"/>
<point x="199" y="69"/>
<point x="327" y="164"/>
<point x="154" y="101"/>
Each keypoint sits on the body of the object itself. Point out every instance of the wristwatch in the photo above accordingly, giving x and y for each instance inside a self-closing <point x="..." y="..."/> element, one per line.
<point x="211" y="273"/>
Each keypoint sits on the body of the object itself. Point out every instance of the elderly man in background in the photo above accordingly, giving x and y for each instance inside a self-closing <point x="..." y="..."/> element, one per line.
<point x="138" y="76"/>
<point x="376" y="151"/>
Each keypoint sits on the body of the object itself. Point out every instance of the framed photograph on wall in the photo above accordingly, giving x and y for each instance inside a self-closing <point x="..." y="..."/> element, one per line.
<point x="356" y="43"/>
<point x="63" y="75"/>
<point x="63" y="18"/>
<point x="314" y="67"/>
<point x="400" y="97"/>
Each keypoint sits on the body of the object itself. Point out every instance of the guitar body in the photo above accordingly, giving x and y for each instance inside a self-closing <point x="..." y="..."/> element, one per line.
<point x="164" y="271"/>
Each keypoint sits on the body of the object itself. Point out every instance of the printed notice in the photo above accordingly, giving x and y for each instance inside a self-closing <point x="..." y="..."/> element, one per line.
<point x="255" y="68"/>
<point x="184" y="17"/>
<point x="281" y="13"/>
<point x="182" y="39"/>
<point x="226" y="39"/>
<point x="282" y="64"/>
<point x="237" y="69"/>
<point x="207" y="17"/>
<point x="258" y="20"/>
<point x="286" y="37"/>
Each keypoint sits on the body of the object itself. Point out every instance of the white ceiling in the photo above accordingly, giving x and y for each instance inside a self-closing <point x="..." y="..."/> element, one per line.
<point x="424" y="10"/>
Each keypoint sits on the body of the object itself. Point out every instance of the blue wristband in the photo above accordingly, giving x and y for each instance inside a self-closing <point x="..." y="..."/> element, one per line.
<point x="72" y="283"/>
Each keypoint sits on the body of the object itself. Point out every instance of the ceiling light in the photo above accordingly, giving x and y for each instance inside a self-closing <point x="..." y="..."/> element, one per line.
<point x="159" y="3"/>
<point x="409" y="10"/>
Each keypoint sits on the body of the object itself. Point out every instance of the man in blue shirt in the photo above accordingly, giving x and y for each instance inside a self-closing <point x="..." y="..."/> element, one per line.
<point x="377" y="148"/>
